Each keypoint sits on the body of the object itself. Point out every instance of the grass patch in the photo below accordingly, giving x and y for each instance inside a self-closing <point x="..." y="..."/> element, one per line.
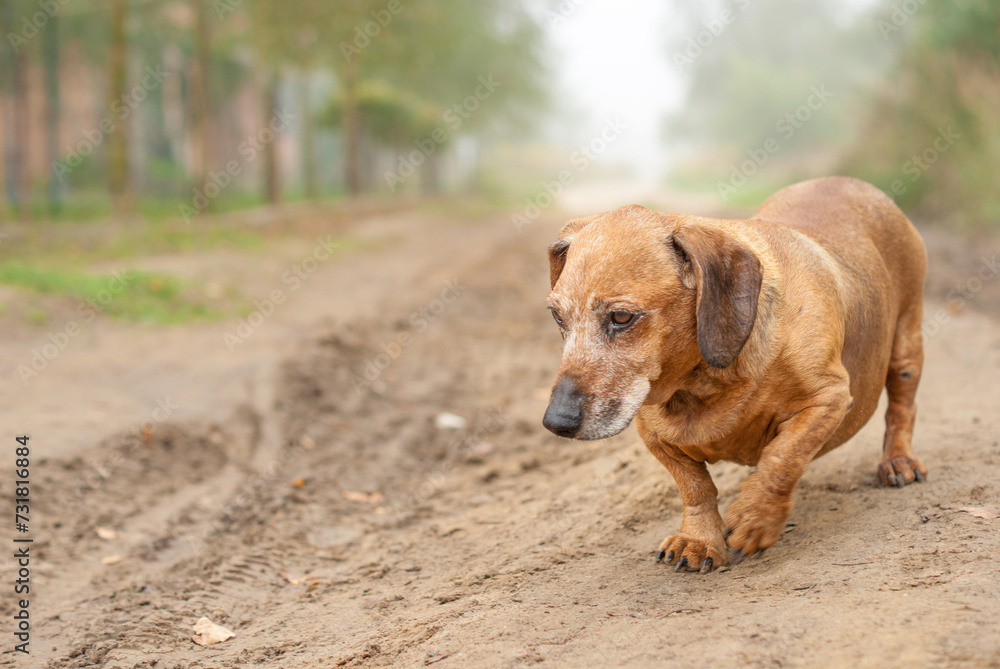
<point x="36" y="316"/>
<point x="85" y="243"/>
<point x="89" y="204"/>
<point x="160" y="238"/>
<point x="131" y="295"/>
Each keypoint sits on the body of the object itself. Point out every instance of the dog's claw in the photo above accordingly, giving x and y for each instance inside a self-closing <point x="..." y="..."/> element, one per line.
<point x="682" y="564"/>
<point x="735" y="557"/>
<point x="670" y="557"/>
<point x="706" y="565"/>
<point x="894" y="471"/>
<point x="661" y="555"/>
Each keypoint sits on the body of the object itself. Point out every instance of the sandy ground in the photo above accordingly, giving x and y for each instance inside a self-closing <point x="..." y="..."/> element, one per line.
<point x="218" y="482"/>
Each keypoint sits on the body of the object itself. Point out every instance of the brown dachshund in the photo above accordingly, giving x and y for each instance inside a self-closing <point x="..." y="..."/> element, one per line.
<point x="764" y="341"/>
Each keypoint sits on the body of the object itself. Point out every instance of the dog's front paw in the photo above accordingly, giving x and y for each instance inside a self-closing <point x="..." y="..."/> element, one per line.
<point x="691" y="554"/>
<point x="756" y="519"/>
<point x="901" y="470"/>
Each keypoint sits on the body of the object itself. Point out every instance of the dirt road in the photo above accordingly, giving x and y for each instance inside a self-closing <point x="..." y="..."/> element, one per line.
<point x="490" y="545"/>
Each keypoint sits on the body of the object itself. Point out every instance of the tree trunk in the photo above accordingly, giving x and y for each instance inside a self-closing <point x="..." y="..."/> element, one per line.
<point x="13" y="73"/>
<point x="50" y="48"/>
<point x="430" y="177"/>
<point x="118" y="167"/>
<point x="6" y="119"/>
<point x="174" y="116"/>
<point x="21" y="129"/>
<point x="309" y="177"/>
<point x="200" y="100"/>
<point x="272" y="186"/>
<point x="352" y="131"/>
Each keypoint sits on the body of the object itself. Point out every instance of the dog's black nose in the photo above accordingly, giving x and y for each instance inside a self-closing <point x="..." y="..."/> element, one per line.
<point x="565" y="412"/>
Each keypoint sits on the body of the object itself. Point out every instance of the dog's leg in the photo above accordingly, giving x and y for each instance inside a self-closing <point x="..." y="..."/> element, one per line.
<point x="700" y="545"/>
<point x="757" y="516"/>
<point x="899" y="465"/>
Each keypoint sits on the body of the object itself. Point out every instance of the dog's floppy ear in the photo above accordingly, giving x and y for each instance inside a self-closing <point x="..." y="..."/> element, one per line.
<point x="558" y="250"/>
<point x="727" y="276"/>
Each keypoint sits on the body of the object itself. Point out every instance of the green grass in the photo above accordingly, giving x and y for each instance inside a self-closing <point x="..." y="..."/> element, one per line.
<point x="54" y="256"/>
<point x="160" y="238"/>
<point x="131" y="295"/>
<point x="89" y="204"/>
<point x="91" y="242"/>
<point x="36" y="316"/>
<point x="69" y="239"/>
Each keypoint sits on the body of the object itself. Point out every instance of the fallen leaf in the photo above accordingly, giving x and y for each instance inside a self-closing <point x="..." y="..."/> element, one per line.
<point x="449" y="421"/>
<point x="111" y="559"/>
<point x="307" y="443"/>
<point x="435" y="656"/>
<point x="295" y="581"/>
<point x="362" y="497"/>
<point x="980" y="512"/>
<point x="107" y="533"/>
<point x="298" y="483"/>
<point x="207" y="633"/>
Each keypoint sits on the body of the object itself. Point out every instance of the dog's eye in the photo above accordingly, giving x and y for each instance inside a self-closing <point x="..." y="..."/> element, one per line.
<point x="555" y="315"/>
<point x="621" y="318"/>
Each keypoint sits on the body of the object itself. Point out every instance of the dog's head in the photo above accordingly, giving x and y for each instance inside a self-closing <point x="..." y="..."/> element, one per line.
<point x="642" y="299"/>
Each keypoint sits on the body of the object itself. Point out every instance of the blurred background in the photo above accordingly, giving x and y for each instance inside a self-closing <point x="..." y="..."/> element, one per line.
<point x="272" y="284"/>
<point x="160" y="109"/>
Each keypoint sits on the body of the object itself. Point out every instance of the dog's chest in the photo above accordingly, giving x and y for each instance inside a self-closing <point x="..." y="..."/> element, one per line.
<point x="711" y="432"/>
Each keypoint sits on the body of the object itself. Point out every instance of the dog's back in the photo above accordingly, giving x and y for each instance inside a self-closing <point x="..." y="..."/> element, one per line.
<point x="851" y="218"/>
<point x="883" y="260"/>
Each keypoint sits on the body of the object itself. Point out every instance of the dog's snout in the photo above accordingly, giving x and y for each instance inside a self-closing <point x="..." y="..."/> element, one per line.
<point x="565" y="413"/>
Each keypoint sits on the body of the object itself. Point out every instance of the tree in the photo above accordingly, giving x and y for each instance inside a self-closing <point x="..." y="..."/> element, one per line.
<point x="430" y="54"/>
<point x="284" y="35"/>
<point x="119" y="183"/>
<point x="50" y="49"/>
<point x="930" y="135"/>
<point x="201" y="108"/>
<point x="272" y="183"/>
<point x="310" y="179"/>
<point x="748" y="69"/>
<point x="13" y="71"/>
<point x="433" y="55"/>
